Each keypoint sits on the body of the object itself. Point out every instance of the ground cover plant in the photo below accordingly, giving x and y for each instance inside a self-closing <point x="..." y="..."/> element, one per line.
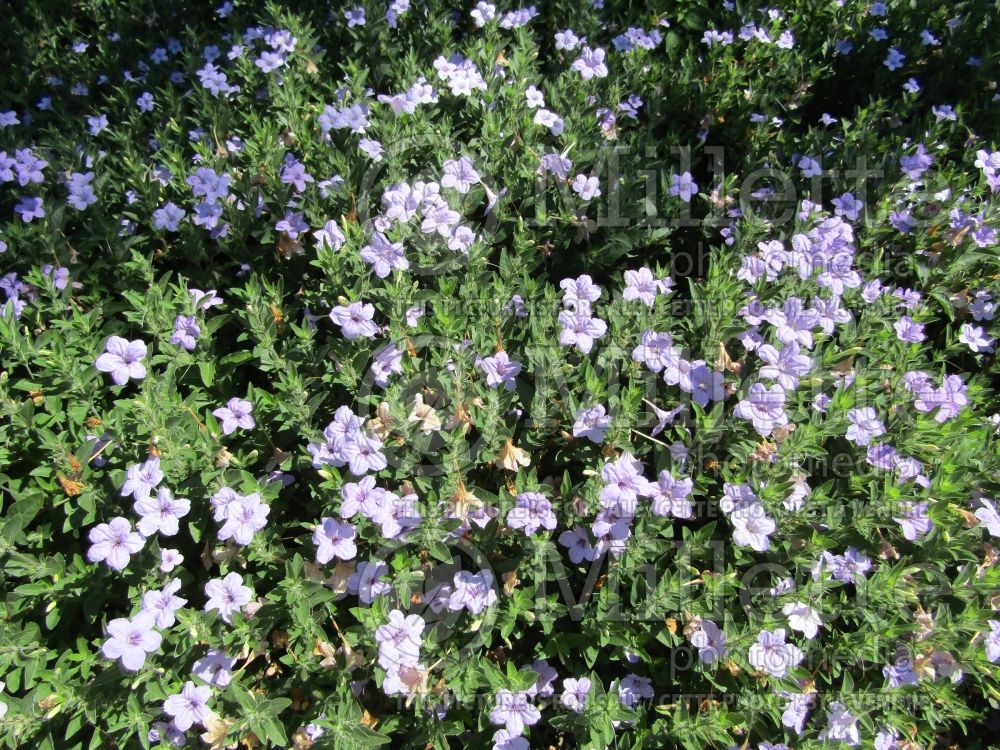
<point x="443" y="375"/>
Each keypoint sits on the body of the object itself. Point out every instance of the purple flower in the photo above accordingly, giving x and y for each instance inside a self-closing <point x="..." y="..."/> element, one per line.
<point x="796" y="710"/>
<point x="841" y="726"/>
<point x="914" y="520"/>
<point x="227" y="595"/>
<point x="399" y="640"/>
<point x="543" y="687"/>
<point x="764" y="407"/>
<point x="683" y="186"/>
<point x="575" y="693"/>
<point x="794" y="322"/>
<point x="355" y="17"/>
<point x="130" y="641"/>
<point x="142" y="479"/>
<point x="334" y="539"/>
<point x="160" y="514"/>
<point x="384" y="256"/>
<point x="500" y="370"/>
<point x="624" y="484"/>
<point x="190" y="706"/>
<point x="170" y="559"/>
<point x="591" y="63"/>
<point x="785" y="366"/>
<point x="355" y="320"/>
<point x="865" y="425"/>
<point x="81" y="193"/>
<point x="515" y="711"/>
<point x="705" y="384"/>
<point x="235" y="415"/>
<point x="752" y="527"/>
<point x="989" y="517"/>
<point x="386" y="361"/>
<point x="710" y="642"/>
<point x="215" y="668"/>
<point x="292" y="224"/>
<point x="772" y="655"/>
<point x="365" y="584"/>
<point x="586" y="187"/>
<point x="579" y="292"/>
<point x="908" y="330"/>
<point x="580" y="329"/>
<point x="656" y="351"/>
<point x="114" y="542"/>
<point x="803" y="618"/>
<point x="897" y="675"/>
<point x="670" y="497"/>
<point x="364" y="454"/>
<point x="472" y="591"/>
<point x="164" y="603"/>
<point x="577" y="544"/>
<point x="145" y="102"/>
<point x="29" y="208"/>
<point x="531" y="511"/>
<point x="634" y="689"/>
<point x="460" y="175"/>
<point x="294" y="173"/>
<point x="123" y="359"/>
<point x="916" y="164"/>
<point x="642" y="285"/>
<point x="592" y="423"/>
<point x="993" y="642"/>
<point x="244" y="517"/>
<point x="975" y="338"/>
<point x="186" y="332"/>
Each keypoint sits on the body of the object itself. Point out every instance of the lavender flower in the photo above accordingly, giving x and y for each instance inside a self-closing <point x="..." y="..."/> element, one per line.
<point x="236" y="414"/>
<point x="592" y="423"/>
<point x="752" y="527"/>
<point x="355" y="320"/>
<point x="114" y="543"/>
<point x="865" y="425"/>
<point x="683" y="186"/>
<point x="472" y="591"/>
<point x="591" y="64"/>
<point x="914" y="520"/>
<point x="515" y="711"/>
<point x="531" y="511"/>
<point x="764" y="407"/>
<point x="772" y="655"/>
<point x="130" y="640"/>
<point x="399" y="640"/>
<point x="215" y="668"/>
<point x="334" y="539"/>
<point x="161" y="514"/>
<point x="164" y="603"/>
<point x="227" y="595"/>
<point x="123" y="359"/>
<point x="803" y="618"/>
<point x="244" y="517"/>
<point x="670" y="497"/>
<point x="841" y="726"/>
<point x="500" y="370"/>
<point x="575" y="693"/>
<point x="186" y="332"/>
<point x="142" y="479"/>
<point x="189" y="706"/>
<point x="384" y="256"/>
<point x="710" y="642"/>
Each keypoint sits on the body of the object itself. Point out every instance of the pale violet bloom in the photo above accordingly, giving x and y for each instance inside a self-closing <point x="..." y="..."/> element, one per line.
<point x="710" y="642"/>
<point x="114" y="543"/>
<point x="575" y="693"/>
<point x="989" y="517"/>
<point x="355" y="320"/>
<point x="244" y="517"/>
<point x="215" y="668"/>
<point x="587" y="187"/>
<point x="189" y="706"/>
<point x="123" y="360"/>
<point x="142" y="479"/>
<point x="162" y="604"/>
<point x="592" y="423"/>
<point x="460" y="174"/>
<point x="161" y="514"/>
<point x="803" y="618"/>
<point x="227" y="595"/>
<point x="975" y="338"/>
<point x="472" y="591"/>
<point x="334" y="539"/>
<point x="772" y="655"/>
<point x="683" y="186"/>
<point x="129" y="640"/>
<point x="236" y="414"/>
<point x="514" y="711"/>
<point x="841" y="726"/>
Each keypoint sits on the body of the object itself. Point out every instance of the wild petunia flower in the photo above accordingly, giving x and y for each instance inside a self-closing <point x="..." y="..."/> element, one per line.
<point x="577" y="544"/>
<point x="472" y="591"/>
<point x="215" y="668"/>
<point x="123" y="359"/>
<point x="842" y="726"/>
<point x="500" y="369"/>
<point x="531" y="511"/>
<point x="515" y="711"/>
<point x="913" y="519"/>
<point x="399" y="639"/>
<point x="574" y="696"/>
<point x="764" y="407"/>
<point x="160" y="514"/>
<point x="803" y="618"/>
<point x="334" y="539"/>
<point x="356" y="320"/>
<point x="189" y="706"/>
<point x="580" y="329"/>
<point x="975" y="338"/>
<point x="384" y="256"/>
<point x="989" y="517"/>
<point x="752" y="527"/>
<point x="244" y="517"/>
<point x="592" y="423"/>
<point x="591" y="63"/>
<point x="164" y="603"/>
<point x="170" y="559"/>
<point x="670" y="496"/>
<point x="772" y="655"/>
<point x="114" y="543"/>
<point x="586" y="187"/>
<point x="682" y="186"/>
<point x="236" y="414"/>
<point x="142" y="479"/>
<point x="993" y="641"/>
<point x="129" y="640"/>
<point x="710" y="642"/>
<point x="186" y="332"/>
<point x="865" y="425"/>
<point x="227" y="595"/>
